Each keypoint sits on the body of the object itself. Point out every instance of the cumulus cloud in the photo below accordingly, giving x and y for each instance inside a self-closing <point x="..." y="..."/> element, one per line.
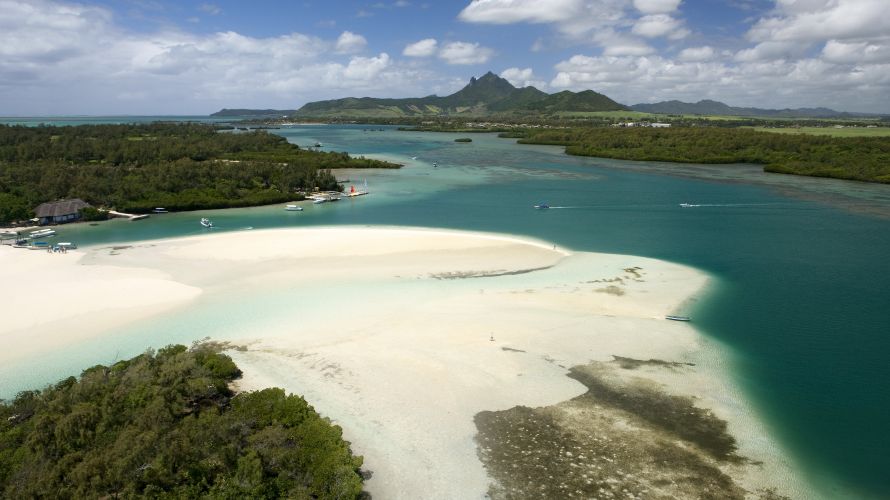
<point x="656" y="6"/>
<point x="819" y="20"/>
<point x="776" y="83"/>
<point x="350" y="43"/>
<point x="465" y="53"/>
<point x="657" y="25"/>
<point x="523" y="77"/>
<point x="856" y="52"/>
<point x="514" y="11"/>
<point x="694" y="54"/>
<point x="619" y="44"/>
<point x="69" y="58"/>
<point x="423" y="48"/>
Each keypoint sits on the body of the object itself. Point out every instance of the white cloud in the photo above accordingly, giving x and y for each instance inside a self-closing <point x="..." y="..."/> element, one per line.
<point x="514" y="11"/>
<point x="465" y="53"/>
<point x="657" y="25"/>
<point x="60" y="58"/>
<point x="775" y="83"/>
<point x="695" y="54"/>
<point x="366" y="68"/>
<point x="523" y="77"/>
<point x="768" y="51"/>
<point x="656" y="6"/>
<point x="349" y="43"/>
<point x="423" y="48"/>
<point x="856" y="52"/>
<point x="820" y="20"/>
<point x="619" y="44"/>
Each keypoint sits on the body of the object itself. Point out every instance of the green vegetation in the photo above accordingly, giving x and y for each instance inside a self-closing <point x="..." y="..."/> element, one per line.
<point x="489" y="95"/>
<point x="831" y="131"/>
<point x="463" y="139"/>
<point x="853" y="158"/>
<point x="166" y="425"/>
<point x="135" y="168"/>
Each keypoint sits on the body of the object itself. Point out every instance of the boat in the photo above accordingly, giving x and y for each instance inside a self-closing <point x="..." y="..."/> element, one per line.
<point x="319" y="199"/>
<point x="688" y="205"/>
<point x="413" y="157"/>
<point x="542" y="206"/>
<point x="160" y="210"/>
<point x="353" y="192"/>
<point x="435" y="164"/>
<point x="41" y="233"/>
<point x="67" y="244"/>
<point x="206" y="222"/>
<point x="293" y="208"/>
<point x="677" y="318"/>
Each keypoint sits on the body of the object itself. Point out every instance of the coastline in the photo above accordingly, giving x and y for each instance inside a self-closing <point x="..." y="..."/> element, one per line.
<point x="403" y="335"/>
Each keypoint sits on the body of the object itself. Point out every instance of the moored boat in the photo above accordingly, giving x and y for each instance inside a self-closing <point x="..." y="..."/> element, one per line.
<point x="293" y="208"/>
<point x="677" y="318"/>
<point x="206" y="222"/>
<point x="160" y="210"/>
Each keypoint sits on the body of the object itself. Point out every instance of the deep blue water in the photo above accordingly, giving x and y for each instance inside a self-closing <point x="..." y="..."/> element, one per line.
<point x="802" y="289"/>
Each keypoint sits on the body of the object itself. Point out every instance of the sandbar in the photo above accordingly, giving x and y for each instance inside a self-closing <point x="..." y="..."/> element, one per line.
<point x="403" y="336"/>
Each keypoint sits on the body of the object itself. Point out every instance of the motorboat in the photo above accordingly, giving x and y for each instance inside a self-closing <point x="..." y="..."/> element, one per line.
<point x="206" y="222"/>
<point x="293" y="208"/>
<point x="677" y="318"/>
<point x="160" y="210"/>
<point x="542" y="206"/>
<point x="41" y="233"/>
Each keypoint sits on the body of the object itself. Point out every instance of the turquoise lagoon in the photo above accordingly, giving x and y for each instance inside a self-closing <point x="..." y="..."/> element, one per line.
<point x="801" y="276"/>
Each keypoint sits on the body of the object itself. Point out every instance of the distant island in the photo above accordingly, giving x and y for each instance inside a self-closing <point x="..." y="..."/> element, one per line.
<point x="493" y="96"/>
<point x="252" y="113"/>
<point x="716" y="108"/>
<point x="489" y="94"/>
<point x="135" y="168"/>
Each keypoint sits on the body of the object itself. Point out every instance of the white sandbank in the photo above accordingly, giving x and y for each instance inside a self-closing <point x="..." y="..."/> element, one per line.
<point x="388" y="331"/>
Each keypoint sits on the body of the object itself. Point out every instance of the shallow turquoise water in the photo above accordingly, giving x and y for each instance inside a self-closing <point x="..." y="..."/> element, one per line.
<point x="802" y="286"/>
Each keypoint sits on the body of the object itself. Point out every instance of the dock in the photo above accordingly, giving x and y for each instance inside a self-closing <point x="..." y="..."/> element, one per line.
<point x="131" y="217"/>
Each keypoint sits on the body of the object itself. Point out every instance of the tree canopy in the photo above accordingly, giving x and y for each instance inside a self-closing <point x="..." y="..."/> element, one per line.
<point x="166" y="425"/>
<point x="177" y="166"/>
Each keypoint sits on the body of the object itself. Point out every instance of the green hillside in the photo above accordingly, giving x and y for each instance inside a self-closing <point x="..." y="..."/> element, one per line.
<point x="487" y="95"/>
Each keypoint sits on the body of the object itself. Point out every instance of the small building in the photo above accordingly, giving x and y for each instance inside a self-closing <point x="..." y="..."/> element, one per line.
<point x="59" y="212"/>
<point x="660" y="125"/>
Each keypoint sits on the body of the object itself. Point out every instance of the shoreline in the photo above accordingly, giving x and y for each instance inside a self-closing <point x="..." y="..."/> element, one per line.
<point x="403" y="335"/>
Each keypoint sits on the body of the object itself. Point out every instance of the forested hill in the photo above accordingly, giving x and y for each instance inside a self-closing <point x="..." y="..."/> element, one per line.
<point x="716" y="108"/>
<point x="166" y="425"/>
<point x="489" y="94"/>
<point x="135" y="168"/>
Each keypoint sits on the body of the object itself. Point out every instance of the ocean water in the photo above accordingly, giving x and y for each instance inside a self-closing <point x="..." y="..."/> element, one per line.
<point x="801" y="288"/>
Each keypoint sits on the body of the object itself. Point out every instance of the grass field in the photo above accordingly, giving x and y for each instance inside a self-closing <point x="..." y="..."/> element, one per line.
<point x="834" y="132"/>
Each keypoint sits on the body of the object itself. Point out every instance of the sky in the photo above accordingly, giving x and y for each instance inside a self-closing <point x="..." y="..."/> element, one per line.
<point x="184" y="57"/>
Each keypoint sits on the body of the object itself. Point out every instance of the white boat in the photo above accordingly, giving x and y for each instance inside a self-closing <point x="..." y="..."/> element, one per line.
<point x="319" y="199"/>
<point x="688" y="205"/>
<point x="677" y="318"/>
<point x="160" y="210"/>
<point x="206" y="222"/>
<point x="413" y="157"/>
<point x="542" y="206"/>
<point x="293" y="208"/>
<point x="67" y="244"/>
<point x="42" y="233"/>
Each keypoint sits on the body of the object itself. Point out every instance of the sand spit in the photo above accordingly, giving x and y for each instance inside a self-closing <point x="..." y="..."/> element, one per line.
<point x="409" y="338"/>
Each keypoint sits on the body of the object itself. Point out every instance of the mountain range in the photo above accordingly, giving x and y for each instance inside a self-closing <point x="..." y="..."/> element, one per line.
<point x="486" y="95"/>
<point x="708" y="107"/>
<point x="493" y="95"/>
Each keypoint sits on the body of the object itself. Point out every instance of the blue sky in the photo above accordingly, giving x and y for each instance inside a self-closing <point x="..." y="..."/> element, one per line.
<point x="185" y="57"/>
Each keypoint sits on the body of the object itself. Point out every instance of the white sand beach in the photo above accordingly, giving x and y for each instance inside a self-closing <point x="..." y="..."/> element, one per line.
<point x="400" y="336"/>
